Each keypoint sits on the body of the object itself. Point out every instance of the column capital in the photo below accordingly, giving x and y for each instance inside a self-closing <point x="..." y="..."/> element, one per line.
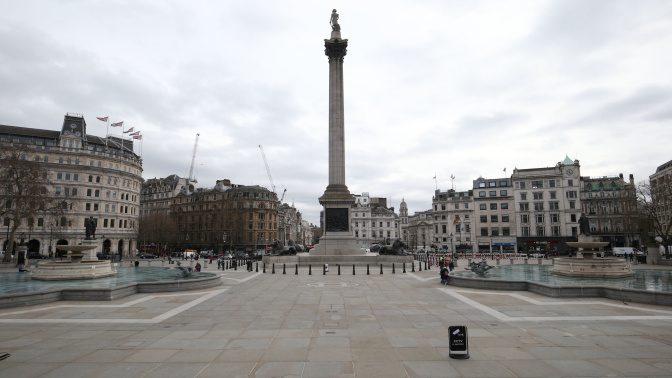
<point x="335" y="48"/>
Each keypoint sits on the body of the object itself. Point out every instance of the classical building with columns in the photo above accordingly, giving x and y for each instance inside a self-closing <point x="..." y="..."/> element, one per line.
<point x="99" y="177"/>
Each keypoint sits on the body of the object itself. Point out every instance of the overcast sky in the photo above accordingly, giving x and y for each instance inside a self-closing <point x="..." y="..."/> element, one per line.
<point x="431" y="87"/>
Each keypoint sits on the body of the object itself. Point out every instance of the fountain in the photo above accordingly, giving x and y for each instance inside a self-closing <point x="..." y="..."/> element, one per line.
<point x="588" y="266"/>
<point x="83" y="264"/>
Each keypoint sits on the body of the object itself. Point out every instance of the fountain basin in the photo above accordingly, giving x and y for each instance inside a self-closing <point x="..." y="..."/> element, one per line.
<point x="82" y="266"/>
<point x="604" y="268"/>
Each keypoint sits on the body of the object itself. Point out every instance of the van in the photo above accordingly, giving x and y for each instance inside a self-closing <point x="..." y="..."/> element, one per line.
<point x="620" y="251"/>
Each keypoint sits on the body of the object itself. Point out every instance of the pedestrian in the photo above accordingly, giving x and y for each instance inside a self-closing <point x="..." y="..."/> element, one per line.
<point x="444" y="276"/>
<point x="197" y="267"/>
<point x="211" y="259"/>
<point x="137" y="263"/>
<point x="451" y="266"/>
<point x="219" y="263"/>
<point x="441" y="262"/>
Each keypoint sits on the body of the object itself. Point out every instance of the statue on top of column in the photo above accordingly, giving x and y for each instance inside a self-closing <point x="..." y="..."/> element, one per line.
<point x="334" y="21"/>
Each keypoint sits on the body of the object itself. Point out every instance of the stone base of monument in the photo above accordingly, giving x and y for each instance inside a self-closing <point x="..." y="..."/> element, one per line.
<point x="337" y="245"/>
<point x="310" y="259"/>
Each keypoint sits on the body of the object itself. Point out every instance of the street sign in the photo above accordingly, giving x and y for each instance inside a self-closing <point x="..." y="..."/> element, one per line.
<point x="458" y="344"/>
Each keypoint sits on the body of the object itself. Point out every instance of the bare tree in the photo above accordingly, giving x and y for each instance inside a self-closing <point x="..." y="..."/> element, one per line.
<point x="157" y="228"/>
<point x="25" y="190"/>
<point x="654" y="200"/>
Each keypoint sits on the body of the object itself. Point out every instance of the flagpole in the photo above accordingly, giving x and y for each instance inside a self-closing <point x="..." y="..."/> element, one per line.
<point x="122" y="141"/>
<point x="107" y="132"/>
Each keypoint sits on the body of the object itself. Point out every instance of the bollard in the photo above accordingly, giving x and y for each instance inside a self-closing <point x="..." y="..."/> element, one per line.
<point x="264" y="268"/>
<point x="296" y="269"/>
<point x="310" y="270"/>
<point x="235" y="265"/>
<point x="256" y="267"/>
<point x="426" y="265"/>
<point x="413" y="267"/>
<point x="393" y="271"/>
<point x="381" y="268"/>
<point x="324" y="269"/>
<point x="367" y="269"/>
<point x="273" y="269"/>
<point x="420" y="266"/>
<point x="283" y="269"/>
<point x="353" y="269"/>
<point x="339" y="269"/>
<point x="404" y="267"/>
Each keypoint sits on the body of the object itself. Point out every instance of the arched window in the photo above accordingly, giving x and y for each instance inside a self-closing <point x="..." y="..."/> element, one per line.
<point x="37" y="158"/>
<point x="60" y="160"/>
<point x="98" y="179"/>
<point x="90" y="178"/>
<point x="63" y="222"/>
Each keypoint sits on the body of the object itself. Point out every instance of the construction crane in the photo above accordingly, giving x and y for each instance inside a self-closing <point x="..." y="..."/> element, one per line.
<point x="270" y="177"/>
<point x="193" y="159"/>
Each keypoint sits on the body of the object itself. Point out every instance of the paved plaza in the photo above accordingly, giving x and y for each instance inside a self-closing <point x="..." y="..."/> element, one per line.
<point x="287" y="325"/>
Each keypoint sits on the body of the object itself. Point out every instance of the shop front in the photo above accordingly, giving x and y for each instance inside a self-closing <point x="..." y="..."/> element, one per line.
<point x="545" y="246"/>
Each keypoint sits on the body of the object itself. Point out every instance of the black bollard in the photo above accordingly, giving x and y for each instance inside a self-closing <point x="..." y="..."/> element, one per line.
<point x="283" y="269"/>
<point x="426" y="265"/>
<point x="353" y="269"/>
<point x="273" y="270"/>
<point x="367" y="269"/>
<point x="413" y="267"/>
<point x="324" y="270"/>
<point x="264" y="268"/>
<point x="420" y="266"/>
<point x="310" y="270"/>
<point x="235" y="265"/>
<point x="429" y="267"/>
<point x="393" y="271"/>
<point x="296" y="269"/>
<point x="404" y="267"/>
<point x="381" y="268"/>
<point x="256" y="267"/>
<point x="339" y="269"/>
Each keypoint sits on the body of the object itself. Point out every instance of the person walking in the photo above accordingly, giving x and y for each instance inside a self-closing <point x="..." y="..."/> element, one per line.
<point x="451" y="266"/>
<point x="444" y="276"/>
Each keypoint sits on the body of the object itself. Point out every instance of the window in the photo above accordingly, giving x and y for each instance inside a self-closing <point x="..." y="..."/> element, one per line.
<point x="97" y="193"/>
<point x="506" y="231"/>
<point x="553" y="195"/>
<point x="95" y="207"/>
<point x="88" y="207"/>
<point x="88" y="192"/>
<point x="551" y="183"/>
<point x="537" y="184"/>
<point x="493" y="193"/>
<point x="502" y="183"/>
<point x="538" y="195"/>
<point x="523" y="196"/>
<point x="555" y="218"/>
<point x="571" y="194"/>
<point x="554" y="205"/>
<point x="74" y="192"/>
<point x="484" y="231"/>
<point x="482" y="206"/>
<point x="525" y="206"/>
<point x="572" y="204"/>
<point x="59" y="176"/>
<point x="495" y="231"/>
<point x="524" y="218"/>
<point x="570" y="182"/>
<point x="555" y="230"/>
<point x="538" y="206"/>
<point x="58" y="190"/>
<point x="572" y="217"/>
<point x="503" y="193"/>
<point x="540" y="231"/>
<point x="107" y="207"/>
<point x="504" y="206"/>
<point x="492" y="184"/>
<point x="484" y="219"/>
<point x="481" y="185"/>
<point x="457" y="206"/>
<point x="494" y="218"/>
<point x="526" y="231"/>
<point x="466" y="205"/>
<point x="539" y="218"/>
<point x="481" y="194"/>
<point x="505" y="218"/>
<point x="493" y="206"/>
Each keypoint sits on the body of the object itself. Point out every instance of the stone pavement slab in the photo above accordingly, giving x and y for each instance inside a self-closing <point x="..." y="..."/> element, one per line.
<point x="390" y="325"/>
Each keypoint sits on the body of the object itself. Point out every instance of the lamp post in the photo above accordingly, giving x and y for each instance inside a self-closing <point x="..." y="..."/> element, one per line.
<point x="452" y="251"/>
<point x="224" y="241"/>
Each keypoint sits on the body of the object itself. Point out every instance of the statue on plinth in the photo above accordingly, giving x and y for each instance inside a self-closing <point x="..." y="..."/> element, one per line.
<point x="282" y="250"/>
<point x="334" y="21"/>
<point x="397" y="248"/>
<point x="90" y="224"/>
<point x="584" y="226"/>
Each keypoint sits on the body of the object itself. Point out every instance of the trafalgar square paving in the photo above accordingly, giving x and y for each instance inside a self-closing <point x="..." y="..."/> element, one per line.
<point x="329" y="325"/>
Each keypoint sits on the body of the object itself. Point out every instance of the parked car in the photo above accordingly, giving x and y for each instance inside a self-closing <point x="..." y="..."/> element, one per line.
<point x="102" y="256"/>
<point x="147" y="256"/>
<point x="227" y="256"/>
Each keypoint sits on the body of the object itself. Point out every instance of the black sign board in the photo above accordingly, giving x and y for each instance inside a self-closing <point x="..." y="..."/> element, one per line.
<point x="458" y="342"/>
<point x="337" y="220"/>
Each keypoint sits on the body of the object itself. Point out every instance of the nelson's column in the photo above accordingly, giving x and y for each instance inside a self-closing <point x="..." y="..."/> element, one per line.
<point x="336" y="200"/>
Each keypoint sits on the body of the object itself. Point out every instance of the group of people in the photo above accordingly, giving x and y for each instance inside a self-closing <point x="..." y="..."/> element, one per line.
<point x="445" y="269"/>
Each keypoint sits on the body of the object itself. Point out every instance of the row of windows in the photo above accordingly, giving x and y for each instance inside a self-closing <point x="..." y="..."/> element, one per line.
<point x="492" y="184"/>
<point x="495" y="218"/>
<point x="539" y="184"/>
<point x="373" y="224"/>
<point x="494" y="231"/>
<point x="110" y="208"/>
<point x="539" y="206"/>
<point x="539" y="218"/>
<point x="456" y="206"/>
<point x="541" y="231"/>
<point x="374" y="235"/>
<point x="493" y="206"/>
<point x="493" y="193"/>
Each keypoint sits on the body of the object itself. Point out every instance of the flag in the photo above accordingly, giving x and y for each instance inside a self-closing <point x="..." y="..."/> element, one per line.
<point x="504" y="170"/>
<point x="137" y="137"/>
<point x="434" y="177"/>
<point x="136" y="133"/>
<point x="129" y="130"/>
<point x="104" y="119"/>
<point x="457" y="219"/>
<point x="117" y="124"/>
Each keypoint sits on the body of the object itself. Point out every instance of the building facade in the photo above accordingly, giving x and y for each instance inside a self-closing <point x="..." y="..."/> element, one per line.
<point x="157" y="193"/>
<point x="96" y="177"/>
<point x="548" y="207"/>
<point x="494" y="217"/>
<point x="452" y="218"/>
<point x="373" y="221"/>
<point x="226" y="218"/>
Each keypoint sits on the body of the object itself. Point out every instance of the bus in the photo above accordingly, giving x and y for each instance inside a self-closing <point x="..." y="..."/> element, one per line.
<point x="150" y="248"/>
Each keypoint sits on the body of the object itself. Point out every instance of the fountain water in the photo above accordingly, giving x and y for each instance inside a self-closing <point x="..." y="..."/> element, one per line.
<point x="588" y="266"/>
